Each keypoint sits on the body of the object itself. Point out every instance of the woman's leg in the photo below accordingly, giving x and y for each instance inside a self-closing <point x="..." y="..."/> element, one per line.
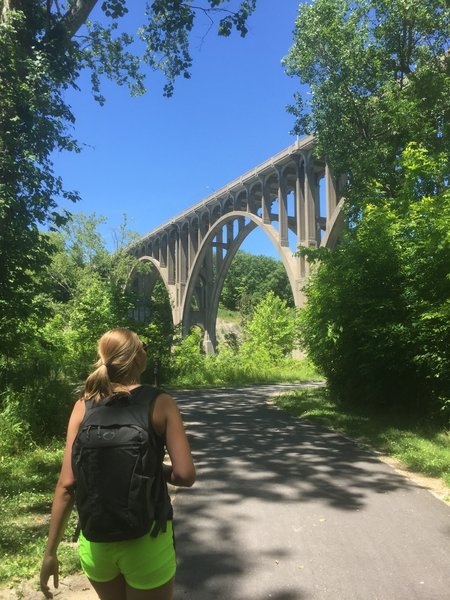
<point x="111" y="590"/>
<point x="164" y="592"/>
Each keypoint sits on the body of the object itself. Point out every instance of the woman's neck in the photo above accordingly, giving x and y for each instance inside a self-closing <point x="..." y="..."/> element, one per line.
<point x="131" y="386"/>
<point x="128" y="384"/>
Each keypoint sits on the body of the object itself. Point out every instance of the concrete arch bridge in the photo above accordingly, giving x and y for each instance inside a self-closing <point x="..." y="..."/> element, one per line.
<point x="284" y="196"/>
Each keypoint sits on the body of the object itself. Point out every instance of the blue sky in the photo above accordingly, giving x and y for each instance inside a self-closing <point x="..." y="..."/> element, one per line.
<point x="152" y="157"/>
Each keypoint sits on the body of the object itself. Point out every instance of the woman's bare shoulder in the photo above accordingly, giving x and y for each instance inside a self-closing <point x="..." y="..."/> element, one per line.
<point x="164" y="409"/>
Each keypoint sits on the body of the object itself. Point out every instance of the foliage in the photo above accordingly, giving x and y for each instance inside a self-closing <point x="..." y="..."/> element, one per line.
<point x="27" y="480"/>
<point x="188" y="357"/>
<point x="166" y="34"/>
<point x="263" y="357"/>
<point x="270" y="332"/>
<point x="84" y="294"/>
<point x="377" y="316"/>
<point x="250" y="278"/>
<point x="378" y="71"/>
<point x="377" y="320"/>
<point x="44" y="46"/>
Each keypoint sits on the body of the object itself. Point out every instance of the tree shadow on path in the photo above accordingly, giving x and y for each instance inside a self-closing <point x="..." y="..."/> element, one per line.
<point x="257" y="467"/>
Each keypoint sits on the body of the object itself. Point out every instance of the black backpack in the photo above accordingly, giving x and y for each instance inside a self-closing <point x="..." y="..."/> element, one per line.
<point x="120" y="490"/>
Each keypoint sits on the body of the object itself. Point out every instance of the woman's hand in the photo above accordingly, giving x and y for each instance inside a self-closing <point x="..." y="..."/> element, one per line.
<point x="50" y="566"/>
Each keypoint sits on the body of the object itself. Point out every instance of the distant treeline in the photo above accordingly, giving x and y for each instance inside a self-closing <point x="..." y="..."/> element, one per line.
<point x="250" y="278"/>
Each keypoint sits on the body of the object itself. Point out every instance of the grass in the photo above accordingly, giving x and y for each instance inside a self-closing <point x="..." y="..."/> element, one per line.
<point x="27" y="481"/>
<point x="231" y="316"/>
<point x="421" y="447"/>
<point x="233" y="373"/>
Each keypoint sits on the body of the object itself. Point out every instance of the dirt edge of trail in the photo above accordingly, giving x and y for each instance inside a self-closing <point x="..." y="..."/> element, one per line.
<point x="70" y="588"/>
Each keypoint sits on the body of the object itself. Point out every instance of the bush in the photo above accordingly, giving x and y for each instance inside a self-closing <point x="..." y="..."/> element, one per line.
<point x="270" y="332"/>
<point x="377" y="318"/>
<point x="39" y="411"/>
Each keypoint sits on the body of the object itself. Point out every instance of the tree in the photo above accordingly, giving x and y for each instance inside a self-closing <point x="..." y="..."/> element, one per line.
<point x="376" y="321"/>
<point x="378" y="71"/>
<point x="44" y="45"/>
<point x="270" y="331"/>
<point x="251" y="277"/>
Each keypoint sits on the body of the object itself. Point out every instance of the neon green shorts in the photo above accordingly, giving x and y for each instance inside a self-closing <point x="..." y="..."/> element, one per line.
<point x="145" y="562"/>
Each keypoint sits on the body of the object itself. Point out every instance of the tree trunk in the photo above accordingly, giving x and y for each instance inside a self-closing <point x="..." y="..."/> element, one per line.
<point x="70" y="22"/>
<point x="8" y="5"/>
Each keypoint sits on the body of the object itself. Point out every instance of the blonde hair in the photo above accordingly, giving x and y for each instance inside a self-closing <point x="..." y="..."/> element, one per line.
<point x="120" y="363"/>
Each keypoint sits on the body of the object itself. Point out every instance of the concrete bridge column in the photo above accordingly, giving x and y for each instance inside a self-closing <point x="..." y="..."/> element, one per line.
<point x="310" y="202"/>
<point x="183" y="254"/>
<point x="156" y="250"/>
<point x="208" y="274"/>
<point x="282" y="210"/>
<point x="229" y="234"/>
<point x="265" y="203"/>
<point x="251" y="207"/>
<point x="219" y="249"/>
<point x="203" y="226"/>
<point x="331" y="193"/>
<point x="192" y="244"/>
<point x="164" y="250"/>
<point x="300" y="212"/>
<point x="181" y="250"/>
<point x="208" y="346"/>
<point x="171" y="257"/>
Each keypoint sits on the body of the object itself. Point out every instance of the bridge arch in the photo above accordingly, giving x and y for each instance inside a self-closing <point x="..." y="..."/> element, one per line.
<point x="144" y="283"/>
<point x="205" y="283"/>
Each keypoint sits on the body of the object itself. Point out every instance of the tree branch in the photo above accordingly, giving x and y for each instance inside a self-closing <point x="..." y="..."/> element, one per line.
<point x="71" y="22"/>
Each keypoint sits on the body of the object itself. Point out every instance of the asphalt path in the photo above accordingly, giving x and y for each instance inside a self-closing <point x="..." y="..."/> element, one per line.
<point x="288" y="510"/>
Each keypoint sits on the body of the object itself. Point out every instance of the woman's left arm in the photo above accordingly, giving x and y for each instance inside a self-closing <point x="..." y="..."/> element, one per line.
<point x="62" y="504"/>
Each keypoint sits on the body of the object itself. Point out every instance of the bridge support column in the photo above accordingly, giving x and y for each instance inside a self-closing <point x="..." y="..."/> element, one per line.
<point x="331" y="193"/>
<point x="171" y="258"/>
<point x="164" y="250"/>
<point x="208" y="347"/>
<point x="183" y="252"/>
<point x="282" y="211"/>
<point x="192" y="245"/>
<point x="310" y="204"/>
<point x="265" y="204"/>
<point x="300" y="220"/>
<point x="229" y="234"/>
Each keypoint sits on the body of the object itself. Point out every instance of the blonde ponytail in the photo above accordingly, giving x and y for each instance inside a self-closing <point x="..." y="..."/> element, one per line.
<point x="121" y="361"/>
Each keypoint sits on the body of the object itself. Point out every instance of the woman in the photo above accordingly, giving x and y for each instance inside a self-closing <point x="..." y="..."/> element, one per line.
<point x="137" y="569"/>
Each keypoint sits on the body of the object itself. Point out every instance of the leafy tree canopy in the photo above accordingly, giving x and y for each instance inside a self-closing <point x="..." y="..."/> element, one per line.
<point x="376" y="321"/>
<point x="378" y="72"/>
<point x="250" y="278"/>
<point x="44" y="45"/>
<point x="270" y="331"/>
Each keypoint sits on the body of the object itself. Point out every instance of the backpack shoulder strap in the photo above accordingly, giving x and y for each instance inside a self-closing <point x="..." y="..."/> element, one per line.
<point x="142" y="404"/>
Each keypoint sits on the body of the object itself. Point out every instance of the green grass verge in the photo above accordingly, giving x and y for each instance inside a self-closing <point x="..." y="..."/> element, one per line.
<point x="27" y="481"/>
<point x="232" y="316"/>
<point x="421" y="447"/>
<point x="233" y="373"/>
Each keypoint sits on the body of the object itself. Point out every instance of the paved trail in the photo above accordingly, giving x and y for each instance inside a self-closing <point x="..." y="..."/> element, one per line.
<point x="287" y="510"/>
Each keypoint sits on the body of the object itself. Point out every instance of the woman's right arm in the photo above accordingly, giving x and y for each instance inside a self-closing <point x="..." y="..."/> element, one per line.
<point x="168" y="422"/>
